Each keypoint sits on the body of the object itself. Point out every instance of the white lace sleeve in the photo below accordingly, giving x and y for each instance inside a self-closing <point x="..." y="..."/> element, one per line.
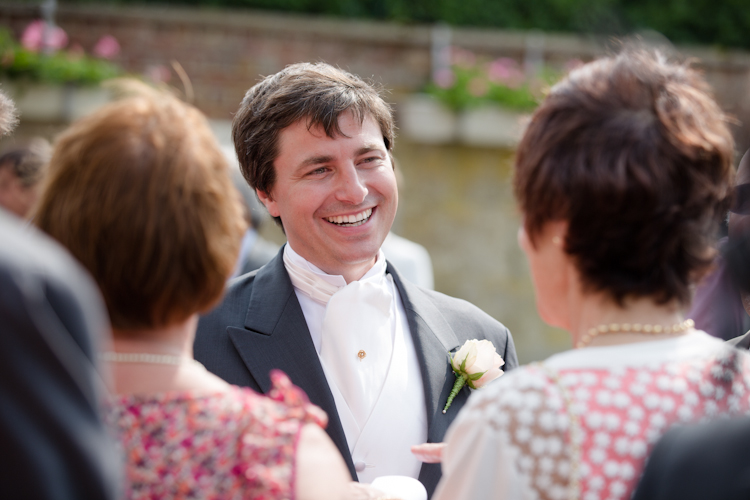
<point x="476" y="463"/>
<point x="508" y="443"/>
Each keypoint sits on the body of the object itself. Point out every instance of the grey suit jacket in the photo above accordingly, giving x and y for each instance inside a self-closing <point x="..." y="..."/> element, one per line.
<point x="260" y="326"/>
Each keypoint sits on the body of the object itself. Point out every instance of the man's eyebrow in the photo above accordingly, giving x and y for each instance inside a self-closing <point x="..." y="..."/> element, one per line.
<point x="368" y="148"/>
<point x="315" y="160"/>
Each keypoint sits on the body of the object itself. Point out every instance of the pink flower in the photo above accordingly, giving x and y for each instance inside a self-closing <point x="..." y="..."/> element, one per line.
<point x="107" y="47"/>
<point x="38" y="35"/>
<point x="478" y="357"/>
<point x="505" y="71"/>
<point x="475" y="364"/>
<point x="445" y="78"/>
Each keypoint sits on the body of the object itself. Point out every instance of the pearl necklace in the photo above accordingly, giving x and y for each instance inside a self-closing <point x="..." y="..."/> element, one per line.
<point x="145" y="357"/>
<point x="634" y="328"/>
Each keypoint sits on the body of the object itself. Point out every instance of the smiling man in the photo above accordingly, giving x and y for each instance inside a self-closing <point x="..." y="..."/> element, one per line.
<point x="365" y="345"/>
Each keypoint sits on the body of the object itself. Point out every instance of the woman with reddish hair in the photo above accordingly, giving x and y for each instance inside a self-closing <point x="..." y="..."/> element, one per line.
<point x="140" y="193"/>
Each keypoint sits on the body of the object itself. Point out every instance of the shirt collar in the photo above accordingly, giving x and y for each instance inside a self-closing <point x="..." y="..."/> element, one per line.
<point x="311" y="280"/>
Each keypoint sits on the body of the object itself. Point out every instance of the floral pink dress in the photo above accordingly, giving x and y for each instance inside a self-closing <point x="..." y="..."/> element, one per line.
<point x="231" y="445"/>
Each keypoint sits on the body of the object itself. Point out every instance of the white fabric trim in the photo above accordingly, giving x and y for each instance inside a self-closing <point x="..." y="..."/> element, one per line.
<point x="314" y="309"/>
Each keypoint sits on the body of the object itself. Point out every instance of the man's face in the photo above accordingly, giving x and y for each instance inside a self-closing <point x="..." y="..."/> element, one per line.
<point x="14" y="196"/>
<point x="336" y="197"/>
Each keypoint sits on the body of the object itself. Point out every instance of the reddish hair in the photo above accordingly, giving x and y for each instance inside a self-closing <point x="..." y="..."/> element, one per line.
<point x="140" y="193"/>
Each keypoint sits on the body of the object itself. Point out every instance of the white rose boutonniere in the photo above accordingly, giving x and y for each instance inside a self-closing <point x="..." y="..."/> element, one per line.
<point x="475" y="364"/>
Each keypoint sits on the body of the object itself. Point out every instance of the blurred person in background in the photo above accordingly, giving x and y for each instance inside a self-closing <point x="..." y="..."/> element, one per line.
<point x="140" y="193"/>
<point x="366" y="345"/>
<point x="410" y="258"/>
<point x="718" y="306"/>
<point x="737" y="254"/>
<point x="53" y="443"/>
<point x="21" y="170"/>
<point x="255" y="251"/>
<point x="622" y="175"/>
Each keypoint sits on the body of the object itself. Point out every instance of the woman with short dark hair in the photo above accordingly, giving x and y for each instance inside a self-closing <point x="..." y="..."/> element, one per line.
<point x="140" y="193"/>
<point x="622" y="176"/>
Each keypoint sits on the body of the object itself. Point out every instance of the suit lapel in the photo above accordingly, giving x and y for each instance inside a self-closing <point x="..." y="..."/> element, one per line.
<point x="433" y="339"/>
<point x="275" y="336"/>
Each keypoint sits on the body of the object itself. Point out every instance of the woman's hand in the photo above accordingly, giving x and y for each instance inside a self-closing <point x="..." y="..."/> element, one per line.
<point x="430" y="453"/>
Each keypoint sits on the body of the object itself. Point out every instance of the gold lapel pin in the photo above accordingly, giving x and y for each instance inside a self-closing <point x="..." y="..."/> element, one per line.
<point x="361" y="355"/>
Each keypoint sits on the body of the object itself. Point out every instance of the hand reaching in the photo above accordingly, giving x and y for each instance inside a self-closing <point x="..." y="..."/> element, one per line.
<point x="430" y="453"/>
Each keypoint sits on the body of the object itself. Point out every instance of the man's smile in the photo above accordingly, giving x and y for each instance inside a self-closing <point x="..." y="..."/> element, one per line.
<point x="351" y="220"/>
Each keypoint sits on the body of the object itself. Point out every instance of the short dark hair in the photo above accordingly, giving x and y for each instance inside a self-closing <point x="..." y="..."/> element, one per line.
<point x="316" y="92"/>
<point x="140" y="194"/>
<point x="634" y="153"/>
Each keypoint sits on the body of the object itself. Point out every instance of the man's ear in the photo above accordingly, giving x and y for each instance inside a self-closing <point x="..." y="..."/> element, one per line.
<point x="268" y="202"/>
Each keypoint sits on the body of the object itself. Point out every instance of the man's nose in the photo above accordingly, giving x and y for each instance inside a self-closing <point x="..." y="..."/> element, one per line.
<point x="351" y="186"/>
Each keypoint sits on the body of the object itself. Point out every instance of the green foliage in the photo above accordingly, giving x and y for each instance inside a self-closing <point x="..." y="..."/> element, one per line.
<point x="724" y="22"/>
<point x="18" y="63"/>
<point x="470" y="83"/>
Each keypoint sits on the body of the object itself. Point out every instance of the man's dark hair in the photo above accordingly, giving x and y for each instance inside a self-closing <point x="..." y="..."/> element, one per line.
<point x="28" y="161"/>
<point x="634" y="153"/>
<point x="315" y="92"/>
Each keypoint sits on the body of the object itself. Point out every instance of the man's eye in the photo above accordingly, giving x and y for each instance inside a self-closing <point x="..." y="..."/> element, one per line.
<point x="371" y="159"/>
<point x="318" y="171"/>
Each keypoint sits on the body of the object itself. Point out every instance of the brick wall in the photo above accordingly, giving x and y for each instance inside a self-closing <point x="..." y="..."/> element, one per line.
<point x="224" y="52"/>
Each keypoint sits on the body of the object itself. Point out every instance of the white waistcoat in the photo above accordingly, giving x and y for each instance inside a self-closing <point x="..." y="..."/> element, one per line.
<point x="399" y="418"/>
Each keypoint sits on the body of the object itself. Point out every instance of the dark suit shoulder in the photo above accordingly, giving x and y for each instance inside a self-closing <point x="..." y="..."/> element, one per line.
<point x="698" y="462"/>
<point x="461" y="310"/>
<point x="232" y="308"/>
<point x="470" y="322"/>
<point x="212" y="345"/>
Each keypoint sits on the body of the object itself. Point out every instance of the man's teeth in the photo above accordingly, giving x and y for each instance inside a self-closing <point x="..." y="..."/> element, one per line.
<point x="351" y="220"/>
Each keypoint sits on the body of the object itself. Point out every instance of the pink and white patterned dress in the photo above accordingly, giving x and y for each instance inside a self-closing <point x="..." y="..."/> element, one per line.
<point x="581" y="424"/>
<point x="230" y="445"/>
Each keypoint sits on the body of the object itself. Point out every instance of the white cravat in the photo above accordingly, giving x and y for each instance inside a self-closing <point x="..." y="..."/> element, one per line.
<point x="357" y="343"/>
<point x="357" y="332"/>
